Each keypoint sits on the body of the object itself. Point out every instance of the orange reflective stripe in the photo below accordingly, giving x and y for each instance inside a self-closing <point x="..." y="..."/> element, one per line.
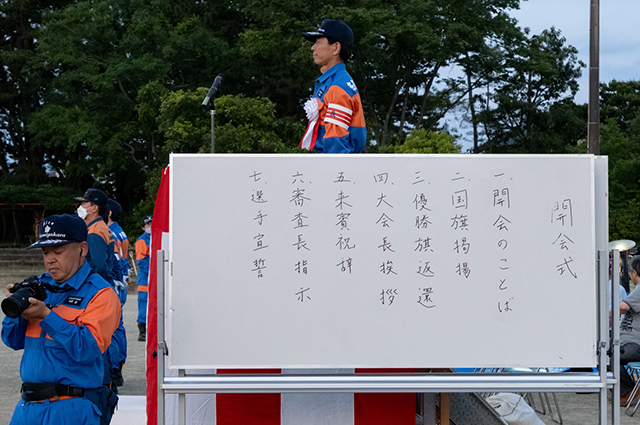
<point x="33" y="328"/>
<point x="142" y="249"/>
<point x="340" y="111"/>
<point x="143" y="288"/>
<point x="125" y="248"/>
<point x="101" y="229"/>
<point x="56" y="398"/>
<point x="101" y="317"/>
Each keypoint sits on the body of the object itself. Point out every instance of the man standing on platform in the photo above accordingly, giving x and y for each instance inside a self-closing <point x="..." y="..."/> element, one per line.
<point x="143" y="258"/>
<point x="336" y="122"/>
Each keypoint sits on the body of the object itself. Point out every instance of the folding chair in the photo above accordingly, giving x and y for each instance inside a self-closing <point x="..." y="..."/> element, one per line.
<point x="634" y="371"/>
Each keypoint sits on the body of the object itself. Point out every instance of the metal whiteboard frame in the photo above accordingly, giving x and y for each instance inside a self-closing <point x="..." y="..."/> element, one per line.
<point x="594" y="382"/>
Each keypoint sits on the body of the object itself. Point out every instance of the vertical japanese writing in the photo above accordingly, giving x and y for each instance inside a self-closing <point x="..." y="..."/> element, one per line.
<point x="385" y="223"/>
<point x="299" y="199"/>
<point x="461" y="245"/>
<point x="422" y="242"/>
<point x="259" y="198"/>
<point x="562" y="219"/>
<point x="343" y="207"/>
<point x="502" y="223"/>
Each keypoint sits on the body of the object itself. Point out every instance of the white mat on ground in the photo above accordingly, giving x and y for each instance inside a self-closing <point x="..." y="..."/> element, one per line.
<point x="132" y="410"/>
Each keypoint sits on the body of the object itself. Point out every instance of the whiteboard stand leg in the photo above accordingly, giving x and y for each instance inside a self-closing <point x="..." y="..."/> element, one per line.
<point x="614" y="356"/>
<point x="603" y="325"/>
<point x="182" y="405"/>
<point x="429" y="409"/>
<point x="161" y="348"/>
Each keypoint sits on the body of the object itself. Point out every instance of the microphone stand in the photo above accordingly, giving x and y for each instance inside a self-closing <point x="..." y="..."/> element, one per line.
<point x="212" y="109"/>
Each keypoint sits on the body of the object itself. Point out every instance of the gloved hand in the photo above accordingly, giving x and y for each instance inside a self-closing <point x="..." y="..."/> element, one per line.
<point x="311" y="108"/>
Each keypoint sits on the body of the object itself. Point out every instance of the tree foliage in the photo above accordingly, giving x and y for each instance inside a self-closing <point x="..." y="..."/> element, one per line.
<point x="100" y="92"/>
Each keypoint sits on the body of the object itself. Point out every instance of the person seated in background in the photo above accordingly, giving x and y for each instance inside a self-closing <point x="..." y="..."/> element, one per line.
<point x="630" y="331"/>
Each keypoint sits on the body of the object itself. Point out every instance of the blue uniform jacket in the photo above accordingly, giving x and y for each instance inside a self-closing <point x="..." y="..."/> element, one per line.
<point x="67" y="346"/>
<point x="143" y="259"/>
<point x="342" y="127"/>
<point x="101" y="248"/>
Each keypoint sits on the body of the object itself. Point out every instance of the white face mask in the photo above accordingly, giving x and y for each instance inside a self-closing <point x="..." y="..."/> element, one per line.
<point x="147" y="230"/>
<point x="82" y="212"/>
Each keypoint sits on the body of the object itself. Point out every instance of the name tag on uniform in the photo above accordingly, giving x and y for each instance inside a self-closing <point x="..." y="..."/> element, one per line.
<point x="74" y="300"/>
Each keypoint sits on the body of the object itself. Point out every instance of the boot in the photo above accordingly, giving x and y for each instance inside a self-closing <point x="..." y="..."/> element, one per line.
<point x="116" y="376"/>
<point x="142" y="327"/>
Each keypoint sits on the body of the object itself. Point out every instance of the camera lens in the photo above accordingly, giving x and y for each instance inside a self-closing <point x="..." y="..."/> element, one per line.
<point x="14" y="305"/>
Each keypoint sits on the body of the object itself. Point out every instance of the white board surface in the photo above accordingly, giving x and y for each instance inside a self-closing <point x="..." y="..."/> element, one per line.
<point x="341" y="261"/>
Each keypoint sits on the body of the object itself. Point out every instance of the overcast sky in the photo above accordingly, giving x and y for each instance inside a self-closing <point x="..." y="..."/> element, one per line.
<point x="619" y="34"/>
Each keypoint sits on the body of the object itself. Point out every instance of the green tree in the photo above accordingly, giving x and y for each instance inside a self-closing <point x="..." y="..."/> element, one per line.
<point x="21" y="160"/>
<point x="620" y="100"/>
<point x="541" y="72"/>
<point x="421" y="141"/>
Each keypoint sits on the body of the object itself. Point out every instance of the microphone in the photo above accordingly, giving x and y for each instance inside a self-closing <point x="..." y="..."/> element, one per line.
<point x="213" y="89"/>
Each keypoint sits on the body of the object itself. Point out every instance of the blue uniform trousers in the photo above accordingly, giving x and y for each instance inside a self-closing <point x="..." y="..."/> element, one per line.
<point x="73" y="411"/>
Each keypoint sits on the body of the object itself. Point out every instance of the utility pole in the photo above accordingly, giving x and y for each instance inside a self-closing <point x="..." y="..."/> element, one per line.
<point x="593" y="133"/>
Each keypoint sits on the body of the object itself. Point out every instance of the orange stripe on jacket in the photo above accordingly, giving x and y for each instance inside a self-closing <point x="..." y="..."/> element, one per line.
<point x="336" y="95"/>
<point x="103" y="319"/>
<point x="33" y="328"/>
<point x="142" y="249"/>
<point x="125" y="248"/>
<point x="100" y="228"/>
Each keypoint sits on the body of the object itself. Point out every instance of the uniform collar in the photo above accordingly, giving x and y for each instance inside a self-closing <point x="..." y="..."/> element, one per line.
<point x="77" y="279"/>
<point x="94" y="221"/>
<point x="331" y="71"/>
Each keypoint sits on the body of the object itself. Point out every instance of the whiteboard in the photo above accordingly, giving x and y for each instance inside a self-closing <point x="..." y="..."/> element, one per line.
<point x="342" y="261"/>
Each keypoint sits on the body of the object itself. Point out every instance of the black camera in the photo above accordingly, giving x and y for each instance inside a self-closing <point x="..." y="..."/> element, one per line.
<point x="15" y="304"/>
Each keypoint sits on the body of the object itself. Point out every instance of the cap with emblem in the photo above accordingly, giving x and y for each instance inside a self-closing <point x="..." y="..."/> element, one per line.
<point x="96" y="196"/>
<point x="60" y="230"/>
<point x="146" y="220"/>
<point x="335" y="29"/>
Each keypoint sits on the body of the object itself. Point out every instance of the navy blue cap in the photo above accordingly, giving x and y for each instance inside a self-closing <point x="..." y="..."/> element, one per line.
<point x="60" y="230"/>
<point x="115" y="208"/>
<point x="146" y="220"/>
<point x="336" y="29"/>
<point x="96" y="196"/>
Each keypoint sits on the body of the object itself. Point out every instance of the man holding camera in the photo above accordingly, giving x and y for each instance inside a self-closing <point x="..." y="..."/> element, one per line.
<point x="64" y="336"/>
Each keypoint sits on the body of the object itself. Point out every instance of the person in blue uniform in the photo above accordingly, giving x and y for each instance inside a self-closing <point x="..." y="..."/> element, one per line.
<point x="143" y="257"/>
<point x="120" y="273"/>
<point x="336" y="121"/>
<point x="92" y="210"/>
<point x="64" y="337"/>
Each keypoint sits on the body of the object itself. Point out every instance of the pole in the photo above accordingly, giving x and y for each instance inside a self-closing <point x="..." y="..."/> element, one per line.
<point x="615" y="337"/>
<point x="213" y="136"/>
<point x="593" y="138"/>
